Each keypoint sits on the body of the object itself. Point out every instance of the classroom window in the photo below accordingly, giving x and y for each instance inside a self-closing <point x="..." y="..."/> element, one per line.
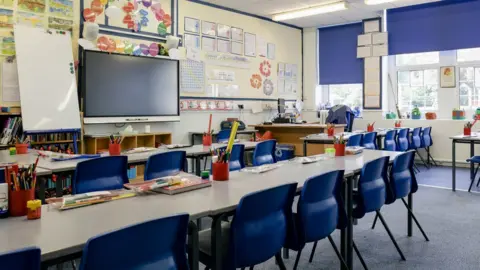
<point x="346" y="94"/>
<point x="414" y="59"/>
<point x="468" y="55"/>
<point x="418" y="88"/>
<point x="469" y="88"/>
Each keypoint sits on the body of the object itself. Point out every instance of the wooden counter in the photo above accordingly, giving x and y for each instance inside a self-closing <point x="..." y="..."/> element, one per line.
<point x="291" y="134"/>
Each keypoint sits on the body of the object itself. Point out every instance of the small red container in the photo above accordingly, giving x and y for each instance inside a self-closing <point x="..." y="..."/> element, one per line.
<point x="467" y="131"/>
<point x="398" y="125"/>
<point x="220" y="171"/>
<point x="114" y="149"/>
<point x="21" y="148"/>
<point x="370" y="128"/>
<point x="339" y="150"/>
<point x="34" y="214"/>
<point x="17" y="202"/>
<point x="207" y="140"/>
<point x="330" y="131"/>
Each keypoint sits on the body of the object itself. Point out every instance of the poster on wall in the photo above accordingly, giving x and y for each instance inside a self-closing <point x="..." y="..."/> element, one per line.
<point x="192" y="25"/>
<point x="237" y="48"/>
<point x="447" y="77"/>
<point x="250" y="47"/>
<point x="61" y="8"/>
<point x="6" y="3"/>
<point x="37" y="6"/>
<point x="237" y="34"/>
<point x="191" y="41"/>
<point x="223" y="31"/>
<point x="6" y="18"/>
<point x="281" y="70"/>
<point x="262" y="47"/>
<point x="223" y="46"/>
<point x="271" y="51"/>
<point x="60" y="24"/>
<point x="30" y="19"/>
<point x="209" y="44"/>
<point x="209" y="28"/>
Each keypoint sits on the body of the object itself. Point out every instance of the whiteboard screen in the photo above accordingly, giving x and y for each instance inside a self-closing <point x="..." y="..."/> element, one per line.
<point x="48" y="88"/>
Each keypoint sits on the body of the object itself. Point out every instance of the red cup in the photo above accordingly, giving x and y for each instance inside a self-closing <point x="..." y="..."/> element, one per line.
<point x="467" y="131"/>
<point x="207" y="140"/>
<point x="331" y="131"/>
<point x="34" y="214"/>
<point x="17" y="202"/>
<point x="220" y="171"/>
<point x="114" y="149"/>
<point x="339" y="150"/>
<point x="370" y="128"/>
<point x="22" y="148"/>
<point x="398" y="125"/>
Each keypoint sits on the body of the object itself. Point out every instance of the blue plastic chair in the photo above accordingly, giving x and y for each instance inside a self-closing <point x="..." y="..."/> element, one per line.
<point x="403" y="182"/>
<point x="416" y="143"/>
<point x="372" y="193"/>
<point x="402" y="140"/>
<point x="264" y="153"/>
<point x="21" y="259"/>
<point x="317" y="214"/>
<point x="155" y="244"/>
<point x="165" y="164"/>
<point x="258" y="230"/>
<point x="389" y="140"/>
<point x="223" y="135"/>
<point x="237" y="161"/>
<point x="474" y="160"/>
<point x="100" y="174"/>
<point x="355" y="140"/>
<point x="427" y="142"/>
<point x="369" y="140"/>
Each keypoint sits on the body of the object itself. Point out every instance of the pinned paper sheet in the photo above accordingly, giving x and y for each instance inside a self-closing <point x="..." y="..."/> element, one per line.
<point x="10" y="87"/>
<point x="194" y="54"/>
<point x="262" y="47"/>
<point x="257" y="107"/>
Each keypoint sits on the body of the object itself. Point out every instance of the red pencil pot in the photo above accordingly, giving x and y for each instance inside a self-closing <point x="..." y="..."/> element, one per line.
<point x="22" y="148"/>
<point x="17" y="202"/>
<point x="207" y="140"/>
<point x="467" y="131"/>
<point x="331" y="131"/>
<point x="220" y="171"/>
<point x="370" y="128"/>
<point x="339" y="150"/>
<point x="398" y="125"/>
<point x="114" y="149"/>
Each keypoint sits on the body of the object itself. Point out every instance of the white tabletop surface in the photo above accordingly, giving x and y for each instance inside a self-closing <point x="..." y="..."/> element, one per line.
<point x="474" y="137"/>
<point x="60" y="233"/>
<point x="245" y="131"/>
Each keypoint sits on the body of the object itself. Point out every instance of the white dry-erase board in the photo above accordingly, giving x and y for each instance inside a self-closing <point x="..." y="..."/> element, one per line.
<point x="46" y="76"/>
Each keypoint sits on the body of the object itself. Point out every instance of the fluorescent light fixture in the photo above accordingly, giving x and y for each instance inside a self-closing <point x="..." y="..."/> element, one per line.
<point x="377" y="2"/>
<point x="299" y="13"/>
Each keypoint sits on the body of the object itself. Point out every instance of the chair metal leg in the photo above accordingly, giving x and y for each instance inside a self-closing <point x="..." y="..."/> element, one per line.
<point x="416" y="168"/>
<point x="299" y="253"/>
<point x="390" y="235"/>
<point x="337" y="252"/>
<point x="421" y="158"/>
<point x="478" y="181"/>
<point x="473" y="178"/>
<point x="415" y="219"/>
<point x="432" y="159"/>
<point x="360" y="256"/>
<point x="374" y="221"/>
<point x="313" y="252"/>
<point x="279" y="260"/>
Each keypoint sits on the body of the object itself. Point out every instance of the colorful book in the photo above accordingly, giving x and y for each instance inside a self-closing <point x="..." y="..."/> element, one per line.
<point x="171" y="185"/>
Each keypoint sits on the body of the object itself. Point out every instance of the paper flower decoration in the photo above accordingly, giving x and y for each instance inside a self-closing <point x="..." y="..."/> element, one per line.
<point x="106" y="44"/>
<point x="97" y="7"/>
<point x="256" y="81"/>
<point x="265" y="68"/>
<point x="268" y="87"/>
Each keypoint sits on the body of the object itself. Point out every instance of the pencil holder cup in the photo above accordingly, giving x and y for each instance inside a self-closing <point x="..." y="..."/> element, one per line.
<point x="369" y="128"/>
<point x="467" y="131"/>
<point x="17" y="203"/>
<point x="114" y="149"/>
<point x="331" y="131"/>
<point x="397" y="125"/>
<point x="339" y="149"/>
<point x="220" y="171"/>
<point x="22" y="148"/>
<point x="207" y="140"/>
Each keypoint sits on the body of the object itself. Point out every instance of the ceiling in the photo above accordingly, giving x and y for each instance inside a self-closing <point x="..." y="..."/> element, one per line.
<point x="356" y="12"/>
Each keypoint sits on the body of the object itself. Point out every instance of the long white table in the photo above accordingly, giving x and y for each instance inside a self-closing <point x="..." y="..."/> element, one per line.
<point x="462" y="139"/>
<point x="61" y="234"/>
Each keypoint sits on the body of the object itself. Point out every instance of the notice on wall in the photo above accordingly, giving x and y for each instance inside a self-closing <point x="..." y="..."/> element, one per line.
<point x="250" y="45"/>
<point x="10" y="87"/>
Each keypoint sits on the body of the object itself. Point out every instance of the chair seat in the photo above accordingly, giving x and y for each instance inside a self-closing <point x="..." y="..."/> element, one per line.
<point x="205" y="237"/>
<point x="474" y="159"/>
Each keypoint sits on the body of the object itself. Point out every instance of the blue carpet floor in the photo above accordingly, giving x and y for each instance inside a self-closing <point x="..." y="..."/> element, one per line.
<point x="442" y="177"/>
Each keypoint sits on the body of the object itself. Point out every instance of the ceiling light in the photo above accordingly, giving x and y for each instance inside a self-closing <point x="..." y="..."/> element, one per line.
<point x="299" y="13"/>
<point x="377" y="2"/>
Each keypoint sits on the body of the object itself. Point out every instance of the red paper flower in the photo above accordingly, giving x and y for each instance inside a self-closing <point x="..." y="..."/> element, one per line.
<point x="167" y="20"/>
<point x="265" y="68"/>
<point x="256" y="81"/>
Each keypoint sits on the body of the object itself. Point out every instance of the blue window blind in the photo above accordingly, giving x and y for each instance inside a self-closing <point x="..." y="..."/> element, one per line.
<point x="439" y="26"/>
<point x="338" y="63"/>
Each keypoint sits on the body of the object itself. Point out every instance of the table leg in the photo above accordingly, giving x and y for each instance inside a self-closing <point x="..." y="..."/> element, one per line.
<point x="217" y="242"/>
<point x="192" y="139"/>
<point x="343" y="232"/>
<point x="409" y="219"/>
<point x="428" y="156"/>
<point x="472" y="153"/>
<point x="379" y="142"/>
<point x="349" y="240"/>
<point x="254" y="137"/>
<point x="198" y="167"/>
<point x="304" y="148"/>
<point x="453" y="166"/>
<point x="41" y="188"/>
<point x="193" y="256"/>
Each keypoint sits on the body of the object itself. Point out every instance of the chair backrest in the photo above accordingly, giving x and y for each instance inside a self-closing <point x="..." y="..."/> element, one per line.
<point x="402" y="177"/>
<point x="369" y="140"/>
<point x="165" y="164"/>
<point x="264" y="153"/>
<point x="155" y="244"/>
<point x="355" y="140"/>
<point x="98" y="174"/>
<point x="389" y="141"/>
<point x="21" y="259"/>
<point x="259" y="227"/>
<point x="223" y="135"/>
<point x="237" y="161"/>
<point x="372" y="188"/>
<point x="427" y="137"/>
<point x="402" y="140"/>
<point x="350" y="117"/>
<point x="317" y="207"/>
<point x="416" y="141"/>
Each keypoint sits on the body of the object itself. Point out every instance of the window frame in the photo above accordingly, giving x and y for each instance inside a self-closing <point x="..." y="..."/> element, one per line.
<point x="469" y="64"/>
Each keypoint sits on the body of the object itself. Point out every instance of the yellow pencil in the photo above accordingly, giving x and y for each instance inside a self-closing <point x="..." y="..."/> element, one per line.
<point x="231" y="140"/>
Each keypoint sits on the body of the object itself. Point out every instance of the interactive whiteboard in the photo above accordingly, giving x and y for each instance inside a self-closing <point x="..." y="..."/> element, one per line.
<point x="46" y="76"/>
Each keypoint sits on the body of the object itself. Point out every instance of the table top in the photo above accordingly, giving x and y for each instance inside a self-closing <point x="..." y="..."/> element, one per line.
<point x="245" y="131"/>
<point x="474" y="137"/>
<point x="59" y="233"/>
<point x="313" y="126"/>
<point x="69" y="165"/>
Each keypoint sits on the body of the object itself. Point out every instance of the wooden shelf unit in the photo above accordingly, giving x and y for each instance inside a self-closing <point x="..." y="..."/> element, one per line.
<point x="97" y="144"/>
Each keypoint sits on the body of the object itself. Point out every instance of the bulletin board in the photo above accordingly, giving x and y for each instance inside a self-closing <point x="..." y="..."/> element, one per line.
<point x="147" y="18"/>
<point x="242" y="54"/>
